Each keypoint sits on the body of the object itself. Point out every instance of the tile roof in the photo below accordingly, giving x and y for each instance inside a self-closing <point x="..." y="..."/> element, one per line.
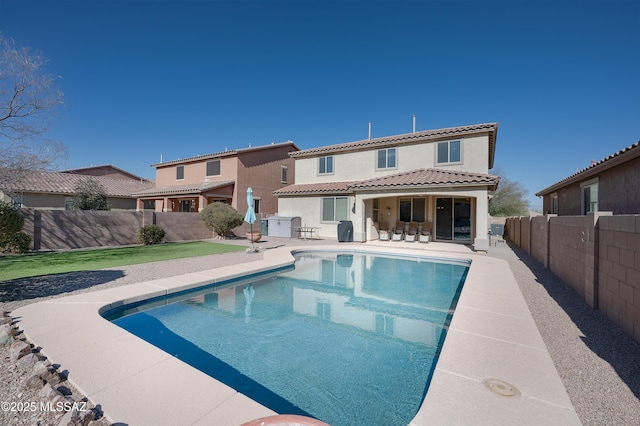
<point x="608" y="162"/>
<point x="419" y="178"/>
<point x="225" y="153"/>
<point x="194" y="188"/>
<point x="492" y="128"/>
<point x="66" y="183"/>
<point x="315" y="188"/>
<point x="86" y="171"/>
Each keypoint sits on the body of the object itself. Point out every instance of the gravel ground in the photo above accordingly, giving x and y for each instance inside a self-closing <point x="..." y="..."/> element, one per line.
<point x="598" y="363"/>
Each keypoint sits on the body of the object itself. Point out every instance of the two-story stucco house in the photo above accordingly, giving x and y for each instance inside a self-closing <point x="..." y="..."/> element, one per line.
<point x="611" y="184"/>
<point x="438" y="178"/>
<point x="189" y="184"/>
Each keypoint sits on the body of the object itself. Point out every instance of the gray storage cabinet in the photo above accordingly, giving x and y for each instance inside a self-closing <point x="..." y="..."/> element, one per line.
<point x="280" y="226"/>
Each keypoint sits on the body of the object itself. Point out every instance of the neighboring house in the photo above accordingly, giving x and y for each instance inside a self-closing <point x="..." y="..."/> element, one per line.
<point x="55" y="190"/>
<point x="611" y="184"/>
<point x="189" y="184"/>
<point x="435" y="177"/>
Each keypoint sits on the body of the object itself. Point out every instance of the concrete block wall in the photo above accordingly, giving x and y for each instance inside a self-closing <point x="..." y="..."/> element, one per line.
<point x="619" y="272"/>
<point x="62" y="229"/>
<point x="539" y="239"/>
<point x="567" y="236"/>
<point x="598" y="255"/>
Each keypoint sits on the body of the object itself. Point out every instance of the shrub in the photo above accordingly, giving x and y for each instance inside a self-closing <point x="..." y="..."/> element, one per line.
<point x="18" y="243"/>
<point x="151" y="234"/>
<point x="11" y="220"/>
<point x="90" y="195"/>
<point x="221" y="218"/>
<point x="12" y="239"/>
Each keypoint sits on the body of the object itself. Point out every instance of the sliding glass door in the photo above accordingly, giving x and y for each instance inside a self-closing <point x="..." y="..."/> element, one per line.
<point x="453" y="219"/>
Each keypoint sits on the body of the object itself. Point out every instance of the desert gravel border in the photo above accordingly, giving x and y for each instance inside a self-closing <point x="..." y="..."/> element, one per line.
<point x="598" y="364"/>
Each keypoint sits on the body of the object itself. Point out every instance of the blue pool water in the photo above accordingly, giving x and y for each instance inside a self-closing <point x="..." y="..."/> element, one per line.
<point x="348" y="338"/>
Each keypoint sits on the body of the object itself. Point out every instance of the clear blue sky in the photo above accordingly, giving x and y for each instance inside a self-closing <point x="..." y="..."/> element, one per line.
<point x="181" y="78"/>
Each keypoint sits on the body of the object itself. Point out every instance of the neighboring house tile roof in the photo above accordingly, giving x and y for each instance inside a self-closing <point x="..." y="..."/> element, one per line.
<point x="453" y="132"/>
<point x="88" y="172"/>
<point x="66" y="183"/>
<point x="194" y="188"/>
<point x="419" y="178"/>
<point x="226" y="153"/>
<point x="622" y="156"/>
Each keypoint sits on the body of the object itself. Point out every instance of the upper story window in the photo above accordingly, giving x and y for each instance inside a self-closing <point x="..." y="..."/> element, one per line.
<point x="325" y="165"/>
<point x="386" y="158"/>
<point x="554" y="203"/>
<point x="449" y="152"/>
<point x="179" y="172"/>
<point x="213" y="168"/>
<point x="589" y="196"/>
<point x="284" y="174"/>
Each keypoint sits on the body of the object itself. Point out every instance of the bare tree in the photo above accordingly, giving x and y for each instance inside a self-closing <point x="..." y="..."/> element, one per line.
<point x="509" y="199"/>
<point x="28" y="103"/>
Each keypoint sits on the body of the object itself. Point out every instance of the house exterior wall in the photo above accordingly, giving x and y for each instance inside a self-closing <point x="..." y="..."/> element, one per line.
<point x="309" y="209"/>
<point x="196" y="172"/>
<point x="618" y="191"/>
<point x="58" y="202"/>
<point x="359" y="165"/>
<point x="619" y="188"/>
<point x="262" y="171"/>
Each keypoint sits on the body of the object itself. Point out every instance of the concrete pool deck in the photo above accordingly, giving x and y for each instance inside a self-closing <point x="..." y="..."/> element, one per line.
<point x="493" y="349"/>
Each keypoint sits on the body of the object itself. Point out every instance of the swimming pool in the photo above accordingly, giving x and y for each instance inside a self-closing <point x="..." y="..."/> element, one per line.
<point x="349" y="337"/>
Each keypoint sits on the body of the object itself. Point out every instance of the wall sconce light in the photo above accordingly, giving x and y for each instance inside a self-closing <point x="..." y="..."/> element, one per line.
<point x="388" y="211"/>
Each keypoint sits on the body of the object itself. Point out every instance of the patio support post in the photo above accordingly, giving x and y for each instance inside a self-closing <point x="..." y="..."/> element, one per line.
<point x="481" y="239"/>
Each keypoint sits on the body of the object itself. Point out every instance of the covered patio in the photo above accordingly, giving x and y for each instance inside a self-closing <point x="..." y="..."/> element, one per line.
<point x="186" y="198"/>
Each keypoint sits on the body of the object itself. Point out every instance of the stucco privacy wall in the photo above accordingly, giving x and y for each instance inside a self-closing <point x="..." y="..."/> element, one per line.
<point x="598" y="255"/>
<point x="61" y="229"/>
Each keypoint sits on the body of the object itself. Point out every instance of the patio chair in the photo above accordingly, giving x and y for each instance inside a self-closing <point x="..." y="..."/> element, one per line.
<point x="398" y="231"/>
<point x="412" y="232"/>
<point x="424" y="232"/>
<point x="384" y="231"/>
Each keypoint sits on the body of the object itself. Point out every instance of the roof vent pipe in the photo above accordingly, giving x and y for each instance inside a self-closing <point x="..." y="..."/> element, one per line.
<point x="414" y="123"/>
<point x="369" y="130"/>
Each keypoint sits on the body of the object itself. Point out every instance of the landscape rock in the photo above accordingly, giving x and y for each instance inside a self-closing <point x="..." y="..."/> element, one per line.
<point x="41" y="366"/>
<point x="5" y="335"/>
<point x="18" y="349"/>
<point x="34" y="382"/>
<point x="27" y="362"/>
<point x="48" y="391"/>
<point x="51" y="376"/>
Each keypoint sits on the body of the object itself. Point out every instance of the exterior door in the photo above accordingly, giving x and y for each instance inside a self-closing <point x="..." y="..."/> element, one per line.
<point x="453" y="219"/>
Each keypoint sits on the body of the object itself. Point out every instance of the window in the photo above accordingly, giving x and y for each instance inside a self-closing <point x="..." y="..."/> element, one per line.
<point x="325" y="165"/>
<point x="384" y="325"/>
<point x="213" y="168"/>
<point x="386" y="158"/>
<point x="412" y="209"/>
<point x="323" y="308"/>
<point x="256" y="205"/>
<point x="335" y="209"/>
<point x="554" y="204"/>
<point x="589" y="196"/>
<point x="449" y="152"/>
<point x="179" y="172"/>
<point x="284" y="174"/>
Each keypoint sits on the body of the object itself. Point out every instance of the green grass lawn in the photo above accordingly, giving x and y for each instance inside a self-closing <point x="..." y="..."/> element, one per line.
<point x="33" y="265"/>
